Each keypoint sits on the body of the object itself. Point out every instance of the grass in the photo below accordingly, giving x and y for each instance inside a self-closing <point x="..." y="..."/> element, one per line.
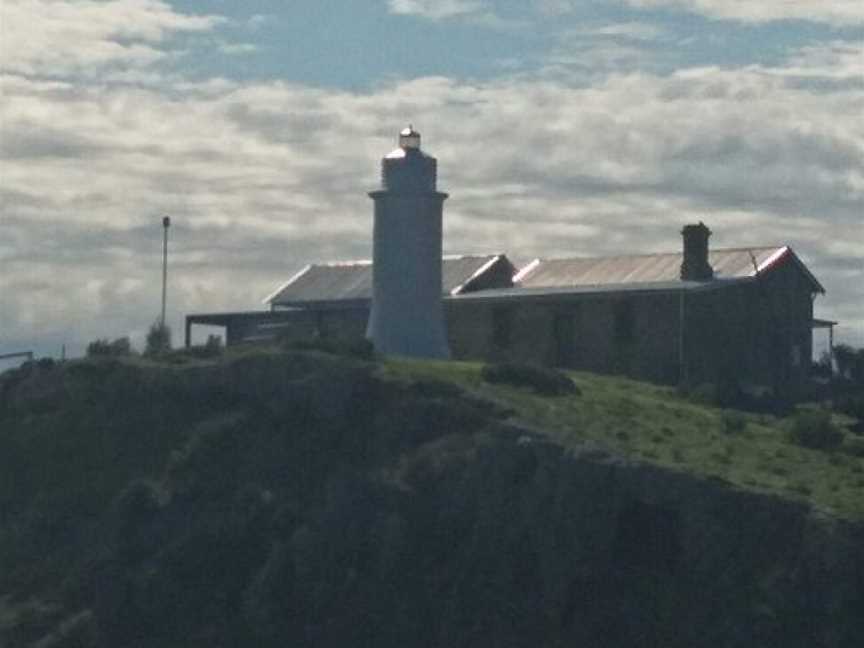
<point x="649" y="423"/>
<point x="655" y="424"/>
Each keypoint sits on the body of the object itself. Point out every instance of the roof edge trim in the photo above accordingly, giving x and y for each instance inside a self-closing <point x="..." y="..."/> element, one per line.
<point x="269" y="299"/>
<point x="343" y="264"/>
<point x="526" y="270"/>
<point x="768" y="263"/>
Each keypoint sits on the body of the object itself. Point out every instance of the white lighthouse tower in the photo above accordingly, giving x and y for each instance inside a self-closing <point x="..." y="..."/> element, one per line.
<point x="407" y="316"/>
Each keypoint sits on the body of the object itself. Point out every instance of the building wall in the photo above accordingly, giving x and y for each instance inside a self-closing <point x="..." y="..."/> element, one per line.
<point x="757" y="332"/>
<point x="299" y="324"/>
<point x="632" y="335"/>
<point x="781" y="305"/>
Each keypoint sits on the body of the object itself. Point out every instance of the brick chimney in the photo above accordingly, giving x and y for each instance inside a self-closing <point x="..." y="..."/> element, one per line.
<point x="695" y="266"/>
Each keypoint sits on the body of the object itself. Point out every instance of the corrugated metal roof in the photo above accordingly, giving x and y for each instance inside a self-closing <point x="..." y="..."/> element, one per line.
<point x="557" y="292"/>
<point x="352" y="280"/>
<point x="346" y="281"/>
<point x="646" y="268"/>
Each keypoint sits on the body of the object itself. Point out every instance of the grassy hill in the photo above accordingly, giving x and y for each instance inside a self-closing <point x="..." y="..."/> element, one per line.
<point x="271" y="497"/>
<point x="659" y="425"/>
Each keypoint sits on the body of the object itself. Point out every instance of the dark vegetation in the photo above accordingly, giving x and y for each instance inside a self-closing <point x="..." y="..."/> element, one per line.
<point x="844" y="389"/>
<point x="542" y="380"/>
<point x="158" y="339"/>
<point x="313" y="497"/>
<point x="815" y="429"/>
<point x="104" y="348"/>
<point x="850" y="363"/>
<point x="731" y="394"/>
<point x="838" y="388"/>
<point x="354" y="347"/>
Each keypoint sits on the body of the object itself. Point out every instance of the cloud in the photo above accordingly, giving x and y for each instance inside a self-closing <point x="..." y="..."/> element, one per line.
<point x="436" y="9"/>
<point x="261" y="178"/>
<point x="835" y="61"/>
<point x="238" y="49"/>
<point x="839" y="13"/>
<point x="555" y="7"/>
<point x="637" y="31"/>
<point x="62" y="37"/>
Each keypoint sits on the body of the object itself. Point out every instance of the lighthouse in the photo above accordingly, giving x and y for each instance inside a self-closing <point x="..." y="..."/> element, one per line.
<point x="407" y="316"/>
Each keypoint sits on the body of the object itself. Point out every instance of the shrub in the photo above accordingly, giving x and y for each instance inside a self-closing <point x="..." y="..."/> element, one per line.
<point x="213" y="344"/>
<point x="542" y="380"/>
<point x="851" y="405"/>
<point x="730" y="394"/>
<point x="822" y="367"/>
<point x="103" y="348"/>
<point x="210" y="349"/>
<point x="854" y="447"/>
<point x="814" y="429"/>
<point x="858" y="368"/>
<point x="703" y="393"/>
<point x="436" y="389"/>
<point x="158" y="339"/>
<point x="355" y="347"/>
<point x="46" y="364"/>
<point x="733" y="422"/>
<point x="844" y="358"/>
<point x="801" y="488"/>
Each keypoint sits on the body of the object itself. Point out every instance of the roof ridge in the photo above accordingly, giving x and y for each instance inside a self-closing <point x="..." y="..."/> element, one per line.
<point x="455" y="257"/>
<point x="341" y="264"/>
<point x="643" y="255"/>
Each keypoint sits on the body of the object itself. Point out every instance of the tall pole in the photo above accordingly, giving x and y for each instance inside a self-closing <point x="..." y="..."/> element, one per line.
<point x="166" y="223"/>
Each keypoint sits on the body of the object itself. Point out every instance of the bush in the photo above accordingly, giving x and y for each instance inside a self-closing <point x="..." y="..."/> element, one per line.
<point x="355" y="347"/>
<point x="814" y="429"/>
<point x="733" y="422"/>
<point x="213" y="344"/>
<point x="822" y="367"/>
<point x="850" y="363"/>
<point x="103" y="348"/>
<point x="851" y="405"/>
<point x="210" y="349"/>
<point x="703" y="393"/>
<point x="46" y="364"/>
<point x="731" y="395"/>
<point x="854" y="447"/>
<point x="158" y="339"/>
<point x="542" y="380"/>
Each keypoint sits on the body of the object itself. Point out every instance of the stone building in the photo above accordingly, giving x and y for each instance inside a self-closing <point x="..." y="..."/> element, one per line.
<point x="696" y="315"/>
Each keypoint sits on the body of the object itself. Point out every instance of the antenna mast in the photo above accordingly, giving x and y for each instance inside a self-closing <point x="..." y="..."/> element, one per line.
<point x="166" y="223"/>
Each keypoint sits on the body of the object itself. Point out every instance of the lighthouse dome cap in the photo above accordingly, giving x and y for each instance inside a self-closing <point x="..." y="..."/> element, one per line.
<point x="409" y="140"/>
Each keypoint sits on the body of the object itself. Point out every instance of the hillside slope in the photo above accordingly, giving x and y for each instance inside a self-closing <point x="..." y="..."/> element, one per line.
<point x="278" y="498"/>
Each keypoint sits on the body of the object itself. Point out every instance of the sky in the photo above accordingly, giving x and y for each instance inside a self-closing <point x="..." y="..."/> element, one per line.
<point x="561" y="127"/>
